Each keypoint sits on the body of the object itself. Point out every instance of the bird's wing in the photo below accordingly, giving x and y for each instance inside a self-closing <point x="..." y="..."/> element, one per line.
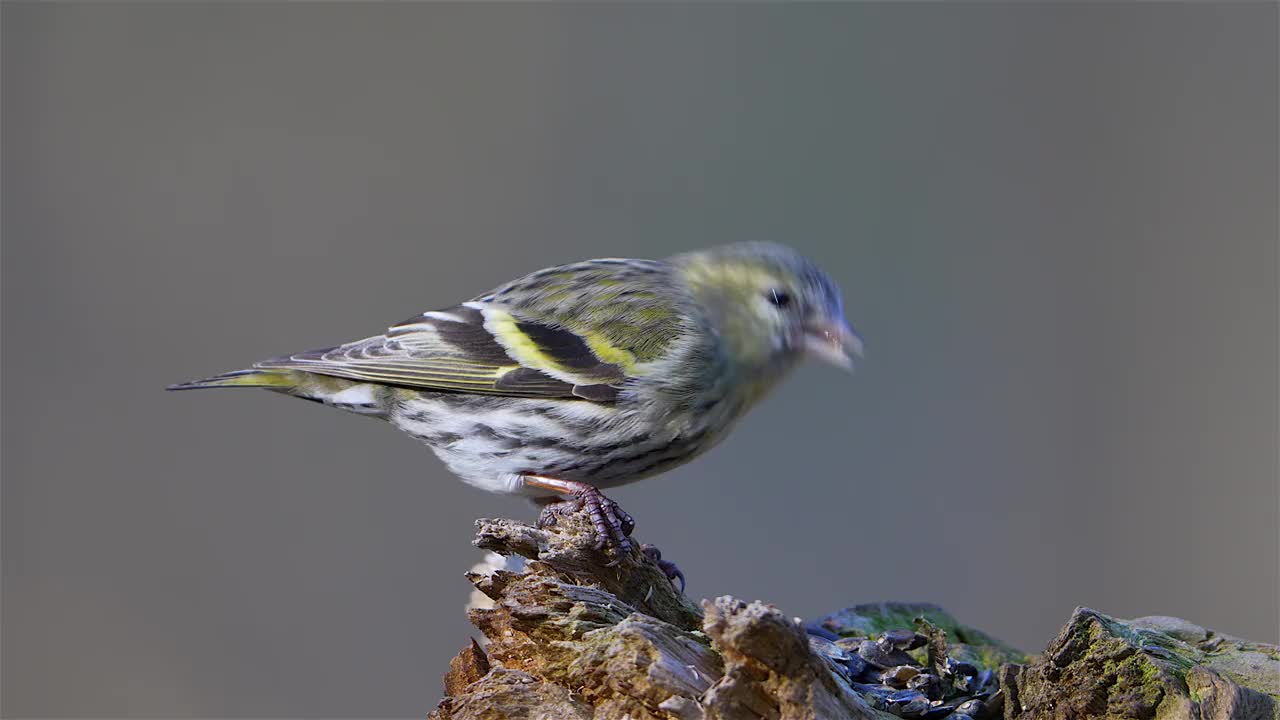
<point x="576" y="338"/>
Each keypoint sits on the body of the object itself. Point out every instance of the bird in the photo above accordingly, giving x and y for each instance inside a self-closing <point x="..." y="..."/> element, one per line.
<point x="583" y="377"/>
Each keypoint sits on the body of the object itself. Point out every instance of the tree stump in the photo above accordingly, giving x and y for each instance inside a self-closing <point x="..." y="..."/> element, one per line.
<point x="579" y="634"/>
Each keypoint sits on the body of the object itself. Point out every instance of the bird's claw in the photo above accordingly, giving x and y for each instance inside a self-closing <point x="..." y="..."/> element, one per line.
<point x="613" y="524"/>
<point x="667" y="567"/>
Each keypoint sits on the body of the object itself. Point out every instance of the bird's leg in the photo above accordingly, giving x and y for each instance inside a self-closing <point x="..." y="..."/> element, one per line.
<point x="612" y="523"/>
<point x="666" y="566"/>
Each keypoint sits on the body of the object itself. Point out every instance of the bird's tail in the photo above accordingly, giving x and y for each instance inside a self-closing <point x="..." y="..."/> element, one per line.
<point x="272" y="379"/>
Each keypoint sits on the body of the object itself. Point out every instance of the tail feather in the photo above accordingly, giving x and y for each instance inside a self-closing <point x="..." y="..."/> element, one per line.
<point x="273" y="379"/>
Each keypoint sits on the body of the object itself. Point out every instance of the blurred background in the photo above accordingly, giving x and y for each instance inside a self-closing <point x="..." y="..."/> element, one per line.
<point x="1055" y="225"/>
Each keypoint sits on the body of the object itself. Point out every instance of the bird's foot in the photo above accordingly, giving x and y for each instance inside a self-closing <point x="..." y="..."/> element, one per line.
<point x="667" y="567"/>
<point x="613" y="525"/>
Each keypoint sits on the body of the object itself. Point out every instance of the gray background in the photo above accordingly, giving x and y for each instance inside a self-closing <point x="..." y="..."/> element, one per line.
<point x="1056" y="227"/>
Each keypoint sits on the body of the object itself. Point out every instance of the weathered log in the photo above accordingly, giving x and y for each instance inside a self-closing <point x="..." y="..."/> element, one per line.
<point x="578" y="633"/>
<point x="1153" y="667"/>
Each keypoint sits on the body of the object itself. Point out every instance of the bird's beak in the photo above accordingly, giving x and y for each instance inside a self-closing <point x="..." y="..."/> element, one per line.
<point x="832" y="341"/>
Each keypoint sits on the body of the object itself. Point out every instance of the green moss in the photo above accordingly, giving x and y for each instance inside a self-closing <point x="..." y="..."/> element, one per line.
<point x="965" y="643"/>
<point x="872" y="619"/>
<point x="985" y="656"/>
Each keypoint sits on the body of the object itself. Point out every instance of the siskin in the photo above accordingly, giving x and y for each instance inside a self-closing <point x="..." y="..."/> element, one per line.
<point x="583" y="376"/>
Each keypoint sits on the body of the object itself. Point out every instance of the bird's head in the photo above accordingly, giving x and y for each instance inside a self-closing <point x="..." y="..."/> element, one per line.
<point x="770" y="305"/>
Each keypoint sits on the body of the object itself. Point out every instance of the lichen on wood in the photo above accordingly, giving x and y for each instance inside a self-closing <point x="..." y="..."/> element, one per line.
<point x="1100" y="666"/>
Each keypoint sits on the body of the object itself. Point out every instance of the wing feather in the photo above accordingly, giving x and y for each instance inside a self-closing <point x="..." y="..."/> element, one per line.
<point x="578" y="331"/>
<point x="454" y="351"/>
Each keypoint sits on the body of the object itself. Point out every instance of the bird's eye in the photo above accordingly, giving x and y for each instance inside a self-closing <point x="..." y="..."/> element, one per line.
<point x="779" y="297"/>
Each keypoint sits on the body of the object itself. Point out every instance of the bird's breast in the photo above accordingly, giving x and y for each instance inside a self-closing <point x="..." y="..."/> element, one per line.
<point x="486" y="440"/>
